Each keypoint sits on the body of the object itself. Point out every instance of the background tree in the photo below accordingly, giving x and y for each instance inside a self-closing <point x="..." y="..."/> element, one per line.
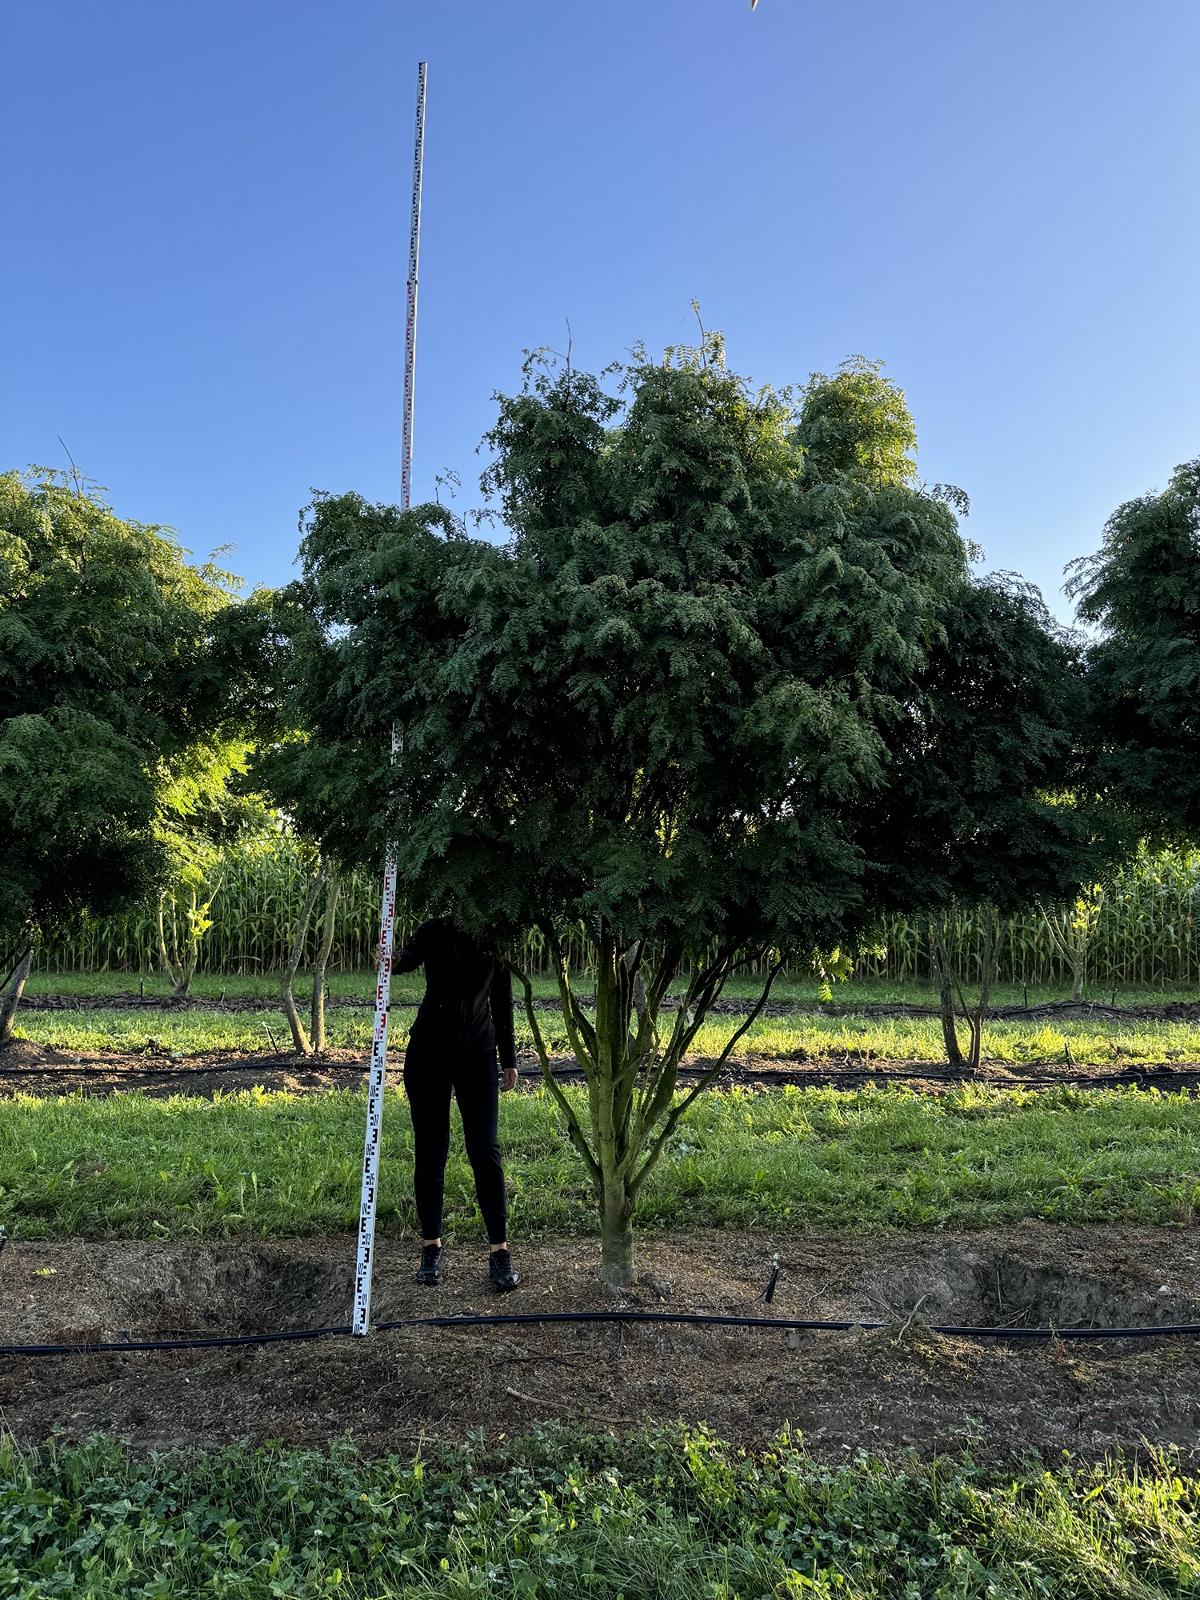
<point x="1143" y="590"/>
<point x="652" y="711"/>
<point x="249" y="648"/>
<point x="1073" y="927"/>
<point x="205" y="806"/>
<point x="990" y="800"/>
<point x="106" y="679"/>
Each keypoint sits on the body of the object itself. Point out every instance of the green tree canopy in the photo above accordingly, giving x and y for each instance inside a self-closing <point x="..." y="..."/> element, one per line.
<point x="1143" y="589"/>
<point x="668" y="707"/>
<point x="991" y="784"/>
<point x="653" y="705"/>
<point x="105" y="683"/>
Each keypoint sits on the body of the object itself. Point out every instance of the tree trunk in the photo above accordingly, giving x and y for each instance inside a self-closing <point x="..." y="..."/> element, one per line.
<point x="616" y="1233"/>
<point x="186" y="970"/>
<point x="11" y="998"/>
<point x="164" y="955"/>
<point x="987" y="965"/>
<point x="941" y="961"/>
<point x="611" y="1090"/>
<point x="632" y="1071"/>
<point x="333" y="889"/>
<point x="300" y="1041"/>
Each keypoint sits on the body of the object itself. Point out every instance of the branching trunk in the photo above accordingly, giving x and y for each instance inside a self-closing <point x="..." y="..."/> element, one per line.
<point x="631" y="1073"/>
<point x="987" y="968"/>
<point x="333" y="890"/>
<point x="300" y="1041"/>
<point x="179" y="958"/>
<point x="952" y="1001"/>
<point x="1072" y="930"/>
<point x="166" y="964"/>
<point x="186" y="963"/>
<point x="10" y="997"/>
<point x="941" y="962"/>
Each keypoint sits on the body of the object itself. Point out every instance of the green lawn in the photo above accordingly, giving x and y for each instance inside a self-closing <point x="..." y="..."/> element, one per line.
<point x="361" y="985"/>
<point x="191" y="1032"/>
<point x="560" y="1515"/>
<point x="258" y="1163"/>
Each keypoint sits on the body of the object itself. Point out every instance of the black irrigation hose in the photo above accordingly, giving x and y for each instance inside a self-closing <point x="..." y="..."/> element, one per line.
<point x="809" y="1075"/>
<point x="1188" y="1330"/>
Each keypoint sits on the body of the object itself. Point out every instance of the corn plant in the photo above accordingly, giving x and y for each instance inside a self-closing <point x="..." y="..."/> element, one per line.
<point x="1143" y="930"/>
<point x="1072" y="930"/>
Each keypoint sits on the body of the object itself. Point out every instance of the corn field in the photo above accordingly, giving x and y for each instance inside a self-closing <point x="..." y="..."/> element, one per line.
<point x="1147" y="932"/>
<point x="262" y="886"/>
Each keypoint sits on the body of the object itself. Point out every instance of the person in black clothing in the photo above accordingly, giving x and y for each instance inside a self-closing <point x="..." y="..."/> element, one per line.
<point x="461" y="1042"/>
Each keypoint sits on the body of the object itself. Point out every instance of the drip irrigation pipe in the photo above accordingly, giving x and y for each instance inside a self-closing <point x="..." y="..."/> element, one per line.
<point x="812" y="1075"/>
<point x="883" y="1010"/>
<point x="1187" y="1330"/>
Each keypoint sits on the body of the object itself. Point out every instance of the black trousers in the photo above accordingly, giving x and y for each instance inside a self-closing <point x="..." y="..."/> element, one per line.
<point x="430" y="1077"/>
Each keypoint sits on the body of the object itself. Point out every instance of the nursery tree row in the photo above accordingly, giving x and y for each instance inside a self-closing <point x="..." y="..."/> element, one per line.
<point x="722" y="686"/>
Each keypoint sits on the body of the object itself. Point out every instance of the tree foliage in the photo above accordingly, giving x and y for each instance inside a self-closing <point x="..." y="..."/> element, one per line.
<point x="205" y="804"/>
<point x="1143" y="589"/>
<point x="651" y="707"/>
<point x="678" y="705"/>
<point x="105" y="684"/>
<point x="989" y="794"/>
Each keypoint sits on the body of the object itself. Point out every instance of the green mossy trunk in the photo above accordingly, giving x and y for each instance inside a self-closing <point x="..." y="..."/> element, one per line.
<point x="616" y="1237"/>
<point x="333" y="889"/>
<point x="954" y="1053"/>
<point x="610" y="1095"/>
<point x="11" y="997"/>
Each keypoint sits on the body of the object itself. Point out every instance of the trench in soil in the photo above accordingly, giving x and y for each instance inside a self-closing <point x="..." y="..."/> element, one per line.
<point x="890" y="1390"/>
<point x="131" y="1289"/>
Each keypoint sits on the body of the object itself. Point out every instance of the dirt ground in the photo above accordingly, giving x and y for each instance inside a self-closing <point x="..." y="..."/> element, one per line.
<point x="1061" y="1010"/>
<point x="886" y="1390"/>
<point x="28" y="1068"/>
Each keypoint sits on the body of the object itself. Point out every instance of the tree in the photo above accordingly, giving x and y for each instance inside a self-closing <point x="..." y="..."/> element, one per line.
<point x="1072" y="927"/>
<point x="323" y="877"/>
<point x="247" y="646"/>
<point x="653" y="711"/>
<point x="991" y="799"/>
<point x="1142" y="588"/>
<point x="204" y="805"/>
<point x="105" y="681"/>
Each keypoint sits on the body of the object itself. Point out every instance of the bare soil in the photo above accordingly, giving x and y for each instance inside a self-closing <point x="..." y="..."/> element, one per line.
<point x="28" y="1068"/>
<point x="888" y="1390"/>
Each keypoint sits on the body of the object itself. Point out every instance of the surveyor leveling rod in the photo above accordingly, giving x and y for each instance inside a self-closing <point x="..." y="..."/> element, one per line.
<point x="360" y="1322"/>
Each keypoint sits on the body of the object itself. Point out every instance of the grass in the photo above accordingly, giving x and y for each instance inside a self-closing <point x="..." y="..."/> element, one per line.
<point x="262" y="1164"/>
<point x="193" y="1032"/>
<point x="234" y="986"/>
<point x="669" y="1514"/>
<point x="361" y="985"/>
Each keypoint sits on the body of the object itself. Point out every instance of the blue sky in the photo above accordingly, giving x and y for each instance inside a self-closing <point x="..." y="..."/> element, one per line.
<point x="205" y="235"/>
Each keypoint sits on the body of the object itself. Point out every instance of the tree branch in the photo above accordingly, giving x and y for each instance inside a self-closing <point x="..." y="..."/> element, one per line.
<point x="702" y="1083"/>
<point x="579" y="1030"/>
<point x="574" y="1130"/>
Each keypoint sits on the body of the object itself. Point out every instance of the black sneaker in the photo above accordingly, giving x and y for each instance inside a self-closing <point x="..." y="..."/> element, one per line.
<point x="430" y="1272"/>
<point x="503" y="1274"/>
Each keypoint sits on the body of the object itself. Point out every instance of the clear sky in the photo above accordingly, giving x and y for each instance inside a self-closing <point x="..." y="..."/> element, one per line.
<point x="205" y="235"/>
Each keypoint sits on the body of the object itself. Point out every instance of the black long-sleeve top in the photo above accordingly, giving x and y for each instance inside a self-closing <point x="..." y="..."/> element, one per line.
<point x="468" y="1003"/>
